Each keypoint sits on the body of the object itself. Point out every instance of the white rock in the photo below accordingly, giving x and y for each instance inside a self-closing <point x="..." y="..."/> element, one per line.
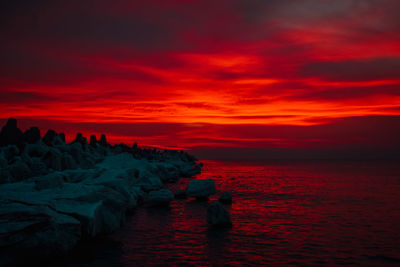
<point x="160" y="197"/>
<point x="217" y="215"/>
<point x="201" y="188"/>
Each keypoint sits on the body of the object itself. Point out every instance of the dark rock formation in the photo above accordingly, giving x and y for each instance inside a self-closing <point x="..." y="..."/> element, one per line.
<point x="80" y="139"/>
<point x="32" y="135"/>
<point x="49" y="137"/>
<point x="103" y="141"/>
<point x="201" y="189"/>
<point x="10" y="134"/>
<point x="218" y="215"/>
<point x="160" y="197"/>
<point x="93" y="141"/>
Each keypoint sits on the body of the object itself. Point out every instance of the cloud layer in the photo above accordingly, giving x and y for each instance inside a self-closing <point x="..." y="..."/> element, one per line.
<point x="282" y="69"/>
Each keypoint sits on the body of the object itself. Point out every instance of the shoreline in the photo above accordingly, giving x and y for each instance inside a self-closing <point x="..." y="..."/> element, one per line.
<point x="55" y="194"/>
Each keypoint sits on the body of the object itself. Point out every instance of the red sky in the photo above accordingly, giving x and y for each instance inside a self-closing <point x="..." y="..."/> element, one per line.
<point x="206" y="75"/>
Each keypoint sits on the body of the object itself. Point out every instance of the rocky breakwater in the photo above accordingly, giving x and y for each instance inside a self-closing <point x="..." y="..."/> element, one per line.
<point x="53" y="194"/>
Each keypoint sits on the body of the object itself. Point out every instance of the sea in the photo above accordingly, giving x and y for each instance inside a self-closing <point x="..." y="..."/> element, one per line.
<point x="284" y="213"/>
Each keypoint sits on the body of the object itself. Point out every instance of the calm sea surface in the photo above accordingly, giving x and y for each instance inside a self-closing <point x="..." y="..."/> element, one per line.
<point x="283" y="213"/>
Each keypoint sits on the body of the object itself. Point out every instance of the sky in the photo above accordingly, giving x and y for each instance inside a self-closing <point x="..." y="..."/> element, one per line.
<point x="223" y="79"/>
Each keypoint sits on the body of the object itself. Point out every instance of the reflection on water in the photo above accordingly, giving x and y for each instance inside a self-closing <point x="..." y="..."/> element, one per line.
<point x="283" y="213"/>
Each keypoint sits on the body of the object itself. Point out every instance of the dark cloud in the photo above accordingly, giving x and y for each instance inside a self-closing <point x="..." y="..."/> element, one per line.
<point x="354" y="70"/>
<point x="21" y="97"/>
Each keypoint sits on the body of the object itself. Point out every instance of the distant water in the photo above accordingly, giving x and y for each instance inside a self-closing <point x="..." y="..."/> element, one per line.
<point x="283" y="213"/>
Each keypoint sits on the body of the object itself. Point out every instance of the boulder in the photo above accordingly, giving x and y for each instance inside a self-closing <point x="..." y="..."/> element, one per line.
<point x="190" y="169"/>
<point x="20" y="170"/>
<point x="180" y="194"/>
<point x="38" y="167"/>
<point x="160" y="197"/>
<point x="81" y="140"/>
<point x="52" y="159"/>
<point x="201" y="189"/>
<point x="32" y="232"/>
<point x="148" y="182"/>
<point x="226" y="198"/>
<point x="36" y="150"/>
<point x="103" y="141"/>
<point x="10" y="152"/>
<point x="76" y="152"/>
<point x="32" y="135"/>
<point x="68" y="162"/>
<point x="218" y="215"/>
<point x="49" y="137"/>
<point x="93" y="141"/>
<point x="10" y="134"/>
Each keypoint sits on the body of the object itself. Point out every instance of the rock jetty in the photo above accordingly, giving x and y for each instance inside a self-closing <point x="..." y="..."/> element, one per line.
<point x="53" y="194"/>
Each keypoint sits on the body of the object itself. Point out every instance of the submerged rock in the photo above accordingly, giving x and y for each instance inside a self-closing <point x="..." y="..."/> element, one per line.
<point x="218" y="215"/>
<point x="201" y="189"/>
<point x="160" y="197"/>
<point x="226" y="198"/>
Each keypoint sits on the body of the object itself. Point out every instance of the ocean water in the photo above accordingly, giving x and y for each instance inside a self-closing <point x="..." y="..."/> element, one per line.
<point x="301" y="213"/>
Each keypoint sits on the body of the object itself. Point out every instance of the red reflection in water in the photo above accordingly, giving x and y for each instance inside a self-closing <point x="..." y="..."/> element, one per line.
<point x="283" y="213"/>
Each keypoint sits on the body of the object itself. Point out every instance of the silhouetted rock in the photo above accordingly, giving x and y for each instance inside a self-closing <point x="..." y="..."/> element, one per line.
<point x="103" y="140"/>
<point x="93" y="141"/>
<point x="62" y="137"/>
<point x="160" y="197"/>
<point x="226" y="198"/>
<point x="10" y="134"/>
<point x="32" y="135"/>
<point x="201" y="189"/>
<point x="218" y="215"/>
<point x="80" y="139"/>
<point x="48" y="138"/>
<point x="180" y="194"/>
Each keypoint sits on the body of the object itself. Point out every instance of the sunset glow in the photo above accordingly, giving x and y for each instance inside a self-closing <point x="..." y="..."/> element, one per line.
<point x="272" y="74"/>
